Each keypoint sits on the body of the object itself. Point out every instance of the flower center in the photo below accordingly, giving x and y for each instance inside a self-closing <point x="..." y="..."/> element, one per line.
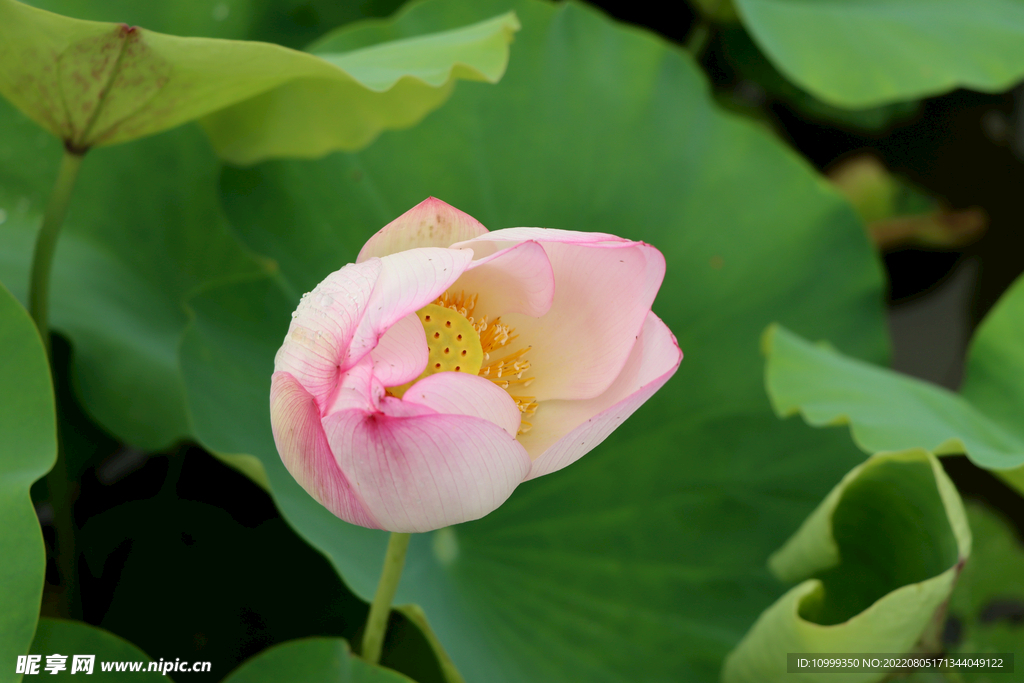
<point x="457" y="342"/>
<point x="453" y="343"/>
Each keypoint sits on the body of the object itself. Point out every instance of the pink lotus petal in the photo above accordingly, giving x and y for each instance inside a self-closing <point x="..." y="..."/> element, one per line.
<point x="515" y="235"/>
<point x="322" y="328"/>
<point x="459" y="393"/>
<point x="426" y="472"/>
<point x="344" y="317"/>
<point x="564" y="431"/>
<point x="401" y="354"/>
<point x="517" y="279"/>
<point x="604" y="287"/>
<point x="357" y="389"/>
<point x="301" y="441"/>
<point x="408" y="281"/>
<point x="431" y="223"/>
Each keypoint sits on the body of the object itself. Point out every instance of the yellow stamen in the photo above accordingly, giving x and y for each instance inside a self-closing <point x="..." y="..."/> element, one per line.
<point x="460" y="342"/>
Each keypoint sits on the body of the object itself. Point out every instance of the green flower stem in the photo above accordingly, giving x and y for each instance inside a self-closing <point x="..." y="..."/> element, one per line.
<point x="377" y="621"/>
<point x="46" y="243"/>
<point x="65" y="552"/>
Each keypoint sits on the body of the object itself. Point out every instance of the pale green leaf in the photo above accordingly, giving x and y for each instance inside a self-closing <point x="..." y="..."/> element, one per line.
<point x="876" y="561"/>
<point x="863" y="53"/>
<point x="94" y="83"/>
<point x="28" y="449"/>
<point x="885" y="410"/>
<point x="994" y="376"/>
<point x="890" y="411"/>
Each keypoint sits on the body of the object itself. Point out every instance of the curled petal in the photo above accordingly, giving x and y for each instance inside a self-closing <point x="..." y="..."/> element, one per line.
<point x="408" y="281"/>
<point x="322" y="328"/>
<point x="564" y="431"/>
<point x="425" y="472"/>
<point x="431" y="223"/>
<point x="344" y="317"/>
<point x="604" y="287"/>
<point x="401" y="354"/>
<point x="302" y="443"/>
<point x="458" y="393"/>
<point x="358" y="388"/>
<point x="516" y="279"/>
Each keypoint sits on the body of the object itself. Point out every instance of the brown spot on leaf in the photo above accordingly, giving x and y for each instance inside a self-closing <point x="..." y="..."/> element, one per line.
<point x="87" y="92"/>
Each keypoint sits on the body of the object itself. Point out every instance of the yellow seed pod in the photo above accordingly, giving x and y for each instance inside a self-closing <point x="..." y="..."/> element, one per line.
<point x="452" y="342"/>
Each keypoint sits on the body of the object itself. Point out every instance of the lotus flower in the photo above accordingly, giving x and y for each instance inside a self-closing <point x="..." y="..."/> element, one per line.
<point x="417" y="387"/>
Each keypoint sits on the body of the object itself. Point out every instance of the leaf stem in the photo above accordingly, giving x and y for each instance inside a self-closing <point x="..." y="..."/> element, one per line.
<point x="65" y="551"/>
<point x="46" y="243"/>
<point x="380" y="609"/>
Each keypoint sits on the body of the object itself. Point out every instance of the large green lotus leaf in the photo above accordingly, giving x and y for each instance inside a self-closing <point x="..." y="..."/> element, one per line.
<point x="890" y="411"/>
<point x="312" y="660"/>
<point x="645" y="560"/>
<point x="876" y="561"/>
<point x="28" y="449"/>
<point x="69" y="638"/>
<point x="740" y="51"/>
<point x="862" y="53"/>
<point x="94" y="83"/>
